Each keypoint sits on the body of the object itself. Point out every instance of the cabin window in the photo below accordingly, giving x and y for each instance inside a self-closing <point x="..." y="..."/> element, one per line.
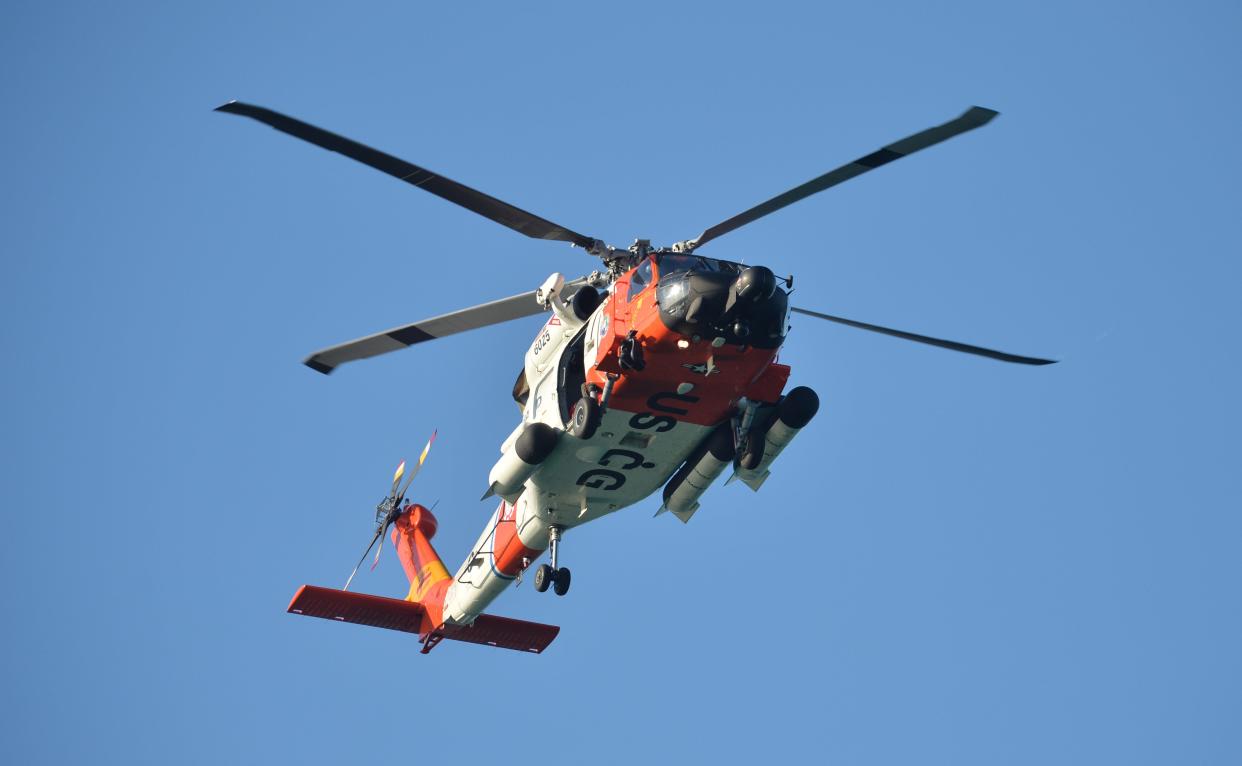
<point x="521" y="390"/>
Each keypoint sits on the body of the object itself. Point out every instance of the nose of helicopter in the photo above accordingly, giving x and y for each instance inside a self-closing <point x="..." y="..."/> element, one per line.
<point x="744" y="306"/>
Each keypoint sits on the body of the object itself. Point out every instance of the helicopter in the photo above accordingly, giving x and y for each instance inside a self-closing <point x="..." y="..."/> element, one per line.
<point x="657" y="371"/>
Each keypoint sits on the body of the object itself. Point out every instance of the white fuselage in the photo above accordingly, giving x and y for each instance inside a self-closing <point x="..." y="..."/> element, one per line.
<point x="581" y="480"/>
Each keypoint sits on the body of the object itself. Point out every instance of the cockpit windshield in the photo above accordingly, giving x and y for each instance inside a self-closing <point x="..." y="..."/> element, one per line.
<point x="676" y="263"/>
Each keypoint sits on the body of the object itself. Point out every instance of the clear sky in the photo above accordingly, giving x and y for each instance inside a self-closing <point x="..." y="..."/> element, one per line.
<point x="960" y="562"/>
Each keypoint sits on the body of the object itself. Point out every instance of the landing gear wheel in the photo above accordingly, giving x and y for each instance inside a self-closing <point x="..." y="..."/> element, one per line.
<point x="585" y="418"/>
<point x="561" y="582"/>
<point x="544" y="577"/>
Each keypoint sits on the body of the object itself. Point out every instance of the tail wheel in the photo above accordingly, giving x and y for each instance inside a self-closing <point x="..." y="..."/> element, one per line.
<point x="543" y="577"/>
<point x="585" y="418"/>
<point x="561" y="583"/>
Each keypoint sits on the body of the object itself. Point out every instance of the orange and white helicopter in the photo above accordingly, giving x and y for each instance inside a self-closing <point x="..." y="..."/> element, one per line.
<point x="657" y="371"/>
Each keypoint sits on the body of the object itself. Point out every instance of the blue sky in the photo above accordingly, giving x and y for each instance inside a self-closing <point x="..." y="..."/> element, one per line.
<point x="959" y="562"/>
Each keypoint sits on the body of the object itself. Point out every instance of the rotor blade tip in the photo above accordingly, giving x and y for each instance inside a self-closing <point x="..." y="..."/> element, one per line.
<point x="228" y="106"/>
<point x="980" y="114"/>
<point x="318" y="366"/>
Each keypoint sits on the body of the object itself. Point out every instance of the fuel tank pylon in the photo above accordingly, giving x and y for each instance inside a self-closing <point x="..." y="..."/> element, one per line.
<point x="789" y="417"/>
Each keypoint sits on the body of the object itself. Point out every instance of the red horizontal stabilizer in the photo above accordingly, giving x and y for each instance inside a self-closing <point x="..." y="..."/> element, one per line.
<point x="395" y="614"/>
<point x="359" y="608"/>
<point x="503" y="632"/>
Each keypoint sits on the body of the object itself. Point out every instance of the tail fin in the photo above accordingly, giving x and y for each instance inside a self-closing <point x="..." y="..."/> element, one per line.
<point x="429" y="579"/>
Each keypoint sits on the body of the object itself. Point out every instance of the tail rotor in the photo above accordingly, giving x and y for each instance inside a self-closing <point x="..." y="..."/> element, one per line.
<point x="390" y="508"/>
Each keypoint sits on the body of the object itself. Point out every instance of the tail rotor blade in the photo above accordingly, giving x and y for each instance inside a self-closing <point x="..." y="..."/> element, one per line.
<point x="422" y="458"/>
<point x="364" y="558"/>
<point x="382" y="534"/>
<point x="396" y="477"/>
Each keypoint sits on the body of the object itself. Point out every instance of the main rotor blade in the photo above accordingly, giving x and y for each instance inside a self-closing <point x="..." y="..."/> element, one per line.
<point x="484" y="315"/>
<point x="972" y="118"/>
<point x="952" y="345"/>
<point x="487" y="206"/>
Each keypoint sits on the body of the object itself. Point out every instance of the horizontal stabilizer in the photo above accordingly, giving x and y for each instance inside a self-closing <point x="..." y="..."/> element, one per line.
<point x="407" y="616"/>
<point x="503" y="632"/>
<point x="358" y="608"/>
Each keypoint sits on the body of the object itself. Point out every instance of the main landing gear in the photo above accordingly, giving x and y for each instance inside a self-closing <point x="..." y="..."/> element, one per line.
<point x="585" y="418"/>
<point x="546" y="575"/>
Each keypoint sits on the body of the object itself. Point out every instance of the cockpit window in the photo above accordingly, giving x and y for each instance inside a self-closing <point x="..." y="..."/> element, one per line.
<point x="641" y="278"/>
<point x="676" y="263"/>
